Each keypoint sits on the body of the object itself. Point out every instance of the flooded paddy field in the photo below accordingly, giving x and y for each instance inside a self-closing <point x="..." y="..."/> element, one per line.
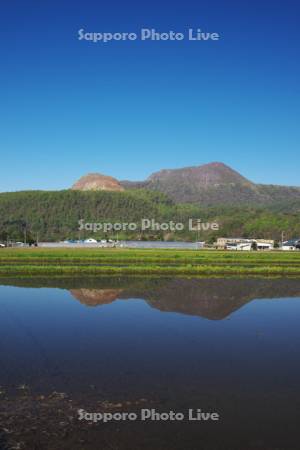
<point x="124" y="345"/>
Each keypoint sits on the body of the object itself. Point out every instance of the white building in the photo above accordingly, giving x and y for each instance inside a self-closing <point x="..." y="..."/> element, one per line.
<point x="264" y="245"/>
<point x="90" y="241"/>
<point x="244" y="244"/>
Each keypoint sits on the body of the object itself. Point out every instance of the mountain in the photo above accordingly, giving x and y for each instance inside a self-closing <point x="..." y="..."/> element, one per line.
<point x="208" y="185"/>
<point x="213" y="193"/>
<point x="214" y="184"/>
<point x="213" y="174"/>
<point x="97" y="182"/>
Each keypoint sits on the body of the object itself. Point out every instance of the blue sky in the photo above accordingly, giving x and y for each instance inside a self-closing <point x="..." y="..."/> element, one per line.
<point x="128" y="109"/>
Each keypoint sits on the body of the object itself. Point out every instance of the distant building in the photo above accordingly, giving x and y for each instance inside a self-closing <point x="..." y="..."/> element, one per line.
<point x="244" y="244"/>
<point x="90" y="241"/>
<point x="240" y="246"/>
<point x="223" y="243"/>
<point x="200" y="244"/>
<point x="265" y="244"/>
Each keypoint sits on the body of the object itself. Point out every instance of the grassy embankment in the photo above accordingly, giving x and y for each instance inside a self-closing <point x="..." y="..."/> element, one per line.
<point x="146" y="262"/>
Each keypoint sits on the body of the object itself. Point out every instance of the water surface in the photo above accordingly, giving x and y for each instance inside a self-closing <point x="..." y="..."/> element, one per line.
<point x="224" y="345"/>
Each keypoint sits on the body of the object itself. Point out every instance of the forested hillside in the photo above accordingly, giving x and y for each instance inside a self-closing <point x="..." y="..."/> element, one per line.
<point x="54" y="215"/>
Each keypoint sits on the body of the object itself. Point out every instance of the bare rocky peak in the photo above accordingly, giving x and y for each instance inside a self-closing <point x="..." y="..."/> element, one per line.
<point x="97" y="182"/>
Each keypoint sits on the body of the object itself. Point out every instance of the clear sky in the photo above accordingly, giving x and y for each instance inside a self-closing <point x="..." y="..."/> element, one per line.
<point x="130" y="108"/>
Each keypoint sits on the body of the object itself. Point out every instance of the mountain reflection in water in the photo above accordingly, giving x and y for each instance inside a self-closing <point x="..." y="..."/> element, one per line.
<point x="213" y="299"/>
